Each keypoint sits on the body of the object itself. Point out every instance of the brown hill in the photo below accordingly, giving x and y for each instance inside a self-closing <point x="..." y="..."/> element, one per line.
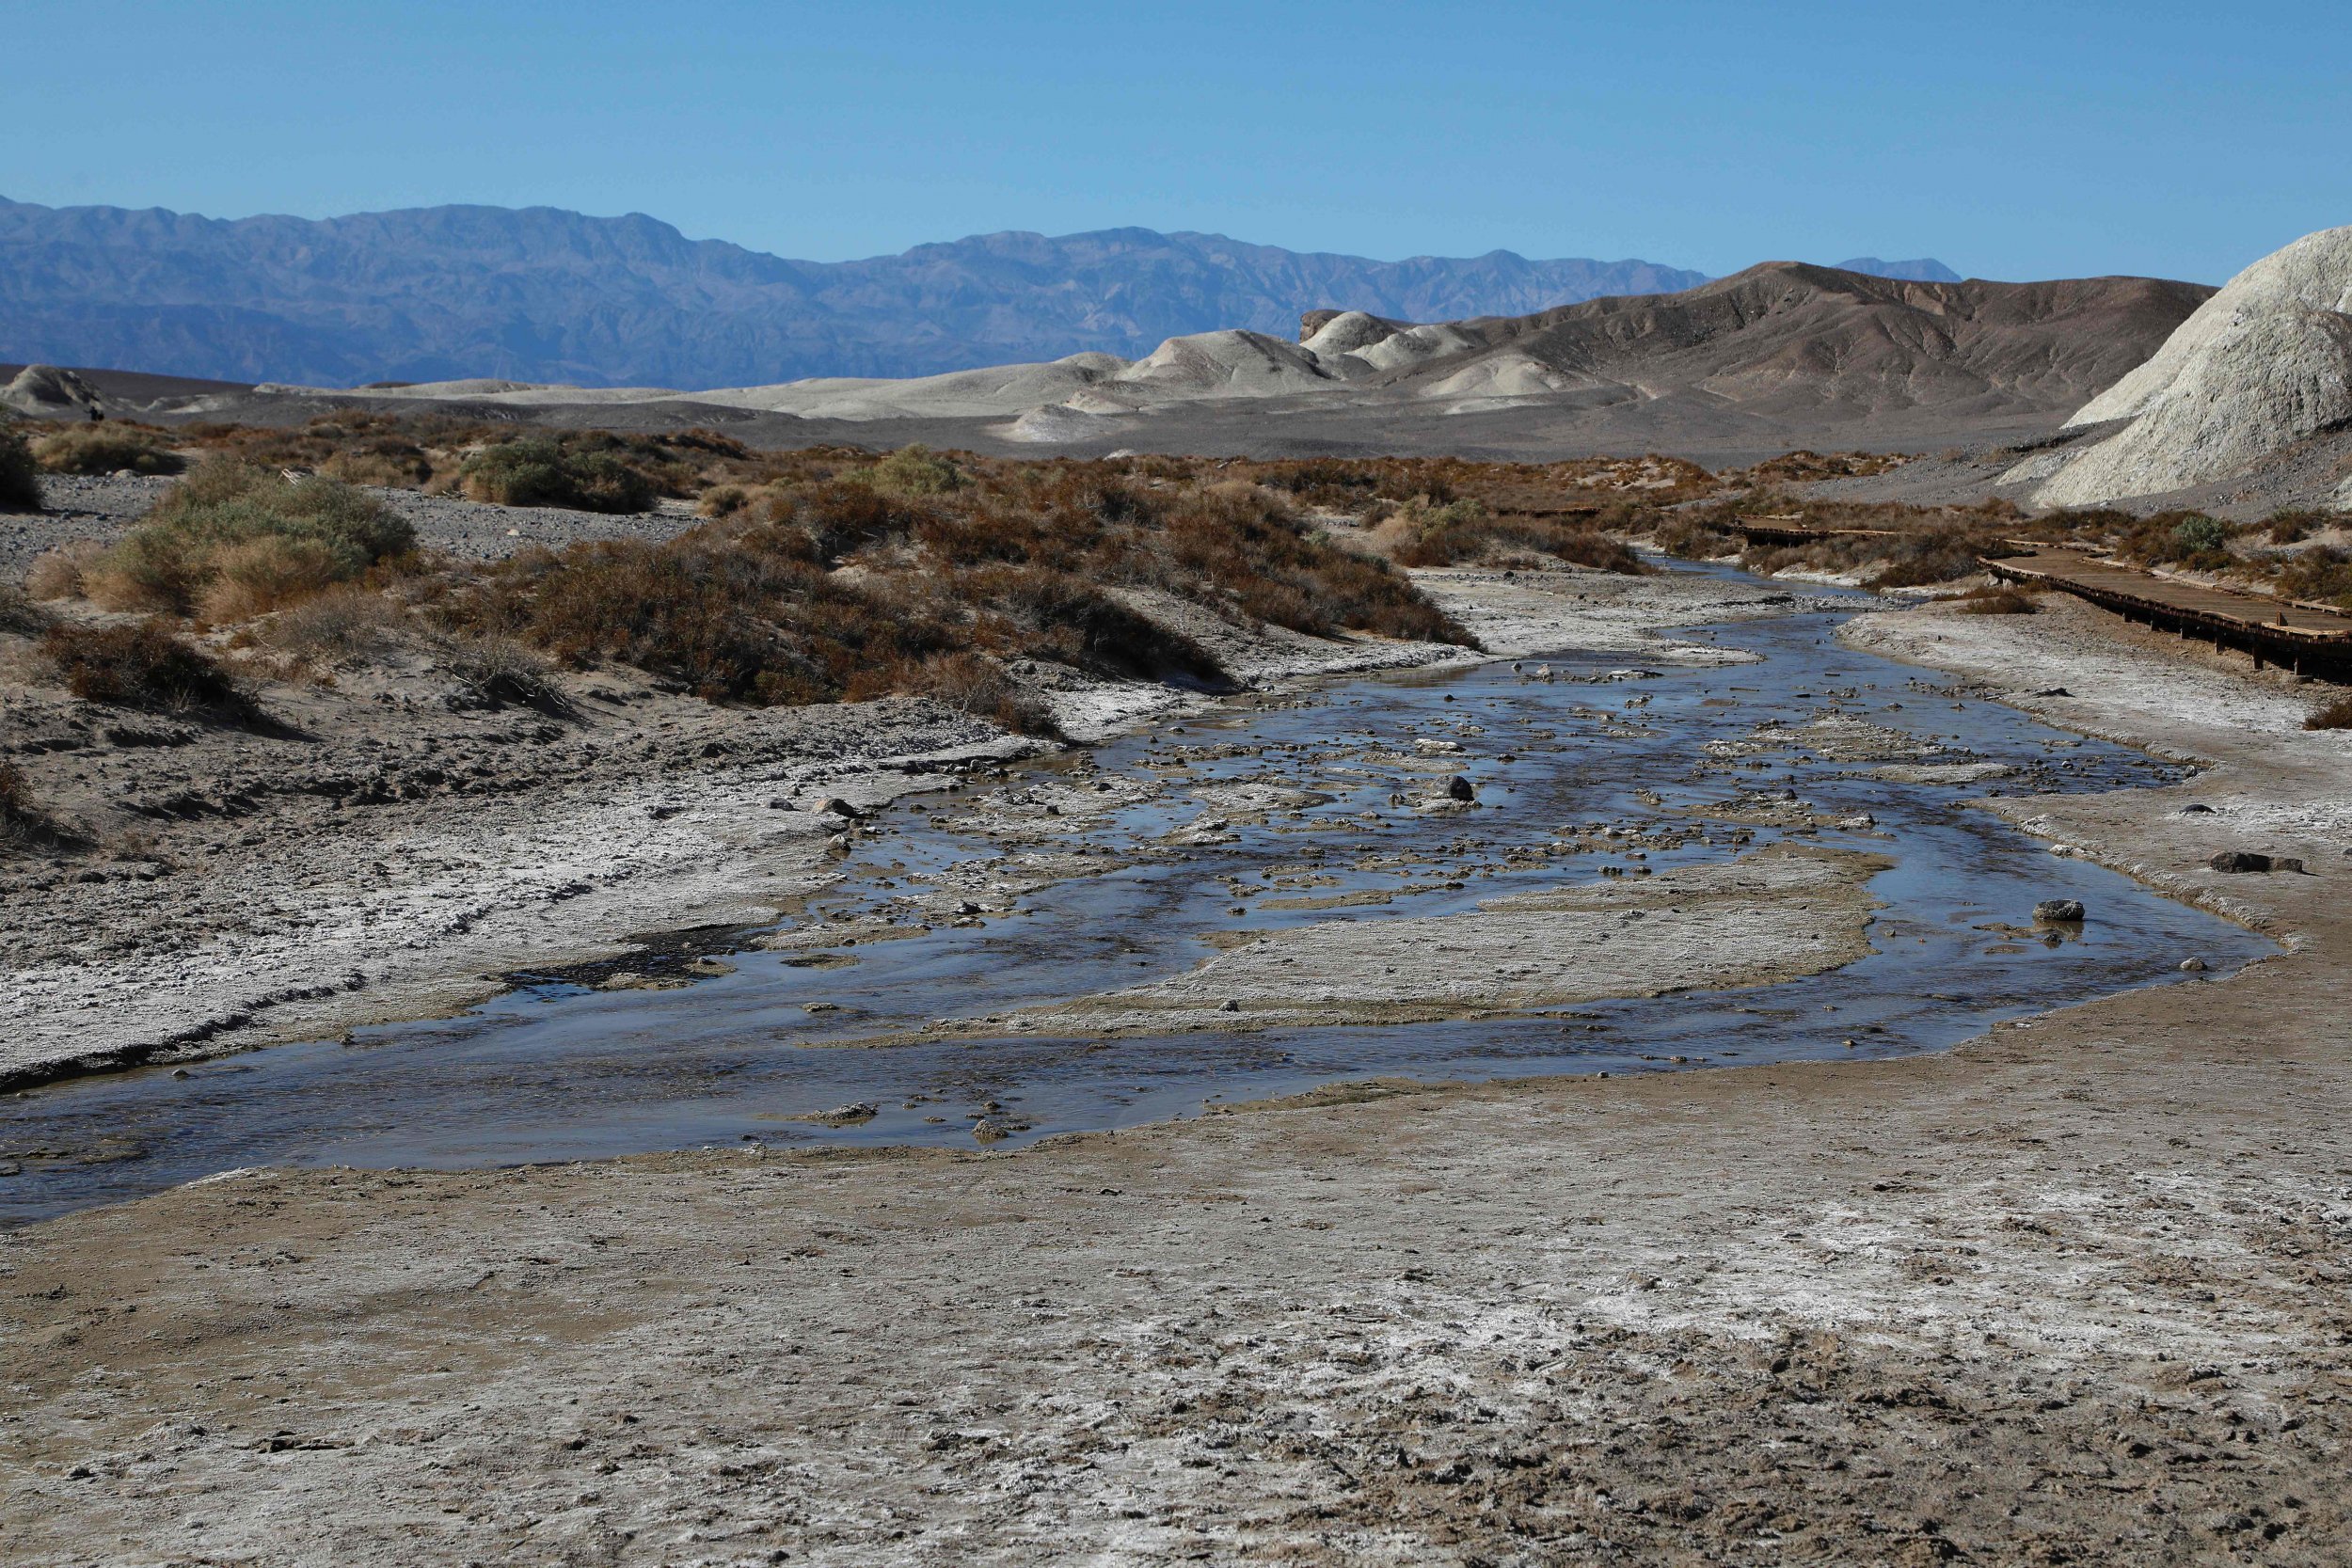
<point x="1787" y="341"/>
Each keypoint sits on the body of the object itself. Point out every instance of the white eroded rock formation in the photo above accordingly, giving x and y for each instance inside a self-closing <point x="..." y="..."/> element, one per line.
<point x="2261" y="365"/>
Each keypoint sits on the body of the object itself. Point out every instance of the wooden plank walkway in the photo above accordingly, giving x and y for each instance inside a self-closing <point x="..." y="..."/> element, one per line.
<point x="2310" y="640"/>
<point x="2307" y="639"/>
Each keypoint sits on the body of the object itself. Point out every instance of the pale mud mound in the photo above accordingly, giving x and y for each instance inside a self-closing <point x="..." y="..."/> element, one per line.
<point x="48" y="392"/>
<point x="2265" y="363"/>
<point x="1773" y="915"/>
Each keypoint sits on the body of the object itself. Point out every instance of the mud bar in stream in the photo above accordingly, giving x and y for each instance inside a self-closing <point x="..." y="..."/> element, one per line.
<point x="1051" y="950"/>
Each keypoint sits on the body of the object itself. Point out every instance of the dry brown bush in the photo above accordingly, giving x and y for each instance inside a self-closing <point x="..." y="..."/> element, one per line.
<point x="59" y="574"/>
<point x="344" y="621"/>
<point x="1998" y="599"/>
<point x="141" y="665"/>
<point x="24" y="826"/>
<point x="2335" y="714"/>
<point x="106" y="449"/>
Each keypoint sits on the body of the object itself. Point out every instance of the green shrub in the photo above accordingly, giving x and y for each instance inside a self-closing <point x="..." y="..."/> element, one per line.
<point x="240" y="540"/>
<point x="104" y="449"/>
<point x="543" y="471"/>
<point x="914" y="470"/>
<point x="20" y="474"/>
<point x="142" y="665"/>
<point x="2198" y="535"/>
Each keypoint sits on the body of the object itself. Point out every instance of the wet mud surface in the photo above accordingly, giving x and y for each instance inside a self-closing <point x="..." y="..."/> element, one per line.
<point x="1290" y="894"/>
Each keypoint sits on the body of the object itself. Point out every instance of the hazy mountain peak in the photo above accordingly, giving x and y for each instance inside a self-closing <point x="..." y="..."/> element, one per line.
<point x="1923" y="269"/>
<point x="545" y="294"/>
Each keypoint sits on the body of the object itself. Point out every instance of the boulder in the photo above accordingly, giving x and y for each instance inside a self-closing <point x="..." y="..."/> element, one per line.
<point x="2245" y="861"/>
<point x="2058" y="910"/>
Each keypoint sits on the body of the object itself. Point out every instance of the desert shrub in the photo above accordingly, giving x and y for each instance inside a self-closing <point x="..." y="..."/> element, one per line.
<point x="2321" y="574"/>
<point x="241" y="540"/>
<point x="1071" y="622"/>
<point x="345" y="620"/>
<point x="826" y="586"/>
<point x="2335" y="714"/>
<point x="1239" y="547"/>
<point x="140" y="665"/>
<point x="23" y="824"/>
<point x="494" y="671"/>
<point x="722" y="501"/>
<point x="20" y="474"/>
<point x="19" y="613"/>
<point x="59" y="573"/>
<point x="1939" y="553"/>
<point x="976" y="686"/>
<point x="1688" y="539"/>
<point x="104" y="449"/>
<point x="915" y="470"/>
<point x="1998" y="599"/>
<point x="2197" y="535"/>
<point x="541" y="470"/>
<point x="1466" y="531"/>
<point x="840" y="517"/>
<point x="2293" y="525"/>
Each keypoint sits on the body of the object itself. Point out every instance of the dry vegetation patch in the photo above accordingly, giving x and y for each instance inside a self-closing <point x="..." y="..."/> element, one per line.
<point x="2335" y="714"/>
<point x="921" y="575"/>
<point x="142" y="664"/>
<point x="108" y="449"/>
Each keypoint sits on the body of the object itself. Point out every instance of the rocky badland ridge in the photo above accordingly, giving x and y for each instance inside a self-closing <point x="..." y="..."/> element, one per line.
<point x="2264" y="364"/>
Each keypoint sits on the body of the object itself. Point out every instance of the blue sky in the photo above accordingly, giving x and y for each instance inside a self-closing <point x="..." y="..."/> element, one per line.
<point x="2052" y="140"/>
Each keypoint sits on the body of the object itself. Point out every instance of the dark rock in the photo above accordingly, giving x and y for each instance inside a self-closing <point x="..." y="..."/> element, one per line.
<point x="1461" y="788"/>
<point x="2058" y="910"/>
<point x="2246" y="859"/>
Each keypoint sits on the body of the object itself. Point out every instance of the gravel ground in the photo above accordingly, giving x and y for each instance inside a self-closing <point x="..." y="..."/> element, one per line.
<point x="105" y="508"/>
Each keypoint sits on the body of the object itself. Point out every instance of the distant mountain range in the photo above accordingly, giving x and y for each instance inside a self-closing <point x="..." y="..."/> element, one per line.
<point x="544" y="294"/>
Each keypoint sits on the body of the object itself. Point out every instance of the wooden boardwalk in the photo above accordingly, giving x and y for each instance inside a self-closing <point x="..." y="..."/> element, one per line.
<point x="2310" y="640"/>
<point x="2307" y="639"/>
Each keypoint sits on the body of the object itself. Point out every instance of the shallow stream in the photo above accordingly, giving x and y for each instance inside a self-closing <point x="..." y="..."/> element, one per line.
<point x="1582" y="765"/>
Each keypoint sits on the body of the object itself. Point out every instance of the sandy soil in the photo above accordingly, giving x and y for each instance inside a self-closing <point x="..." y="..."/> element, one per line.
<point x="2072" y="1293"/>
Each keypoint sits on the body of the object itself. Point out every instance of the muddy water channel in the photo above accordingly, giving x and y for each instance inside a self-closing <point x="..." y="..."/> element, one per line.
<point x="1023" y="954"/>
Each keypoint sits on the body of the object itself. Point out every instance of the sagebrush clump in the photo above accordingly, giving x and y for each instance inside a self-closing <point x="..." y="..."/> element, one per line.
<point x="233" y="541"/>
<point x="579" y="473"/>
<point x="106" y="449"/>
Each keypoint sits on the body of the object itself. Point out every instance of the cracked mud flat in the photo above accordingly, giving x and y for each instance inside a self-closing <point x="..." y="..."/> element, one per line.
<point x="2075" y="1292"/>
